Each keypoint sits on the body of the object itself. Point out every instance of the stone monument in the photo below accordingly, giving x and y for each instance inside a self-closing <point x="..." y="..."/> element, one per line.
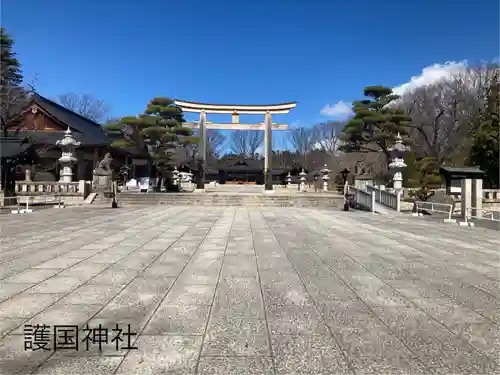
<point x="102" y="174"/>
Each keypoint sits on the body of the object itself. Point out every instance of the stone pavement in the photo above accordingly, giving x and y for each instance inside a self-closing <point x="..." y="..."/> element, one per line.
<point x="247" y="291"/>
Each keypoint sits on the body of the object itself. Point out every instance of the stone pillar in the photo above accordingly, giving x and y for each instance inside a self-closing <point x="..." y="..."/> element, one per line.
<point x="268" y="151"/>
<point x="477" y="196"/>
<point x="202" y="130"/>
<point x="466" y="195"/>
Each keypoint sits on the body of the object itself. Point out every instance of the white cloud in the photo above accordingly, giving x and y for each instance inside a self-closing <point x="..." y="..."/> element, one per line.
<point x="339" y="110"/>
<point x="431" y="74"/>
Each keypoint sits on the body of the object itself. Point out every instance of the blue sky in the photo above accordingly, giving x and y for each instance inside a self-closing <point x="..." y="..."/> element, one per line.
<point x="315" y="52"/>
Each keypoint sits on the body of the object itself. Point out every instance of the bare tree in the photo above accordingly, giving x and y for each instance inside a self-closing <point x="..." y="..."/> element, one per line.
<point x="327" y="136"/>
<point x="215" y="144"/>
<point x="246" y="142"/>
<point x="303" y="141"/>
<point x="86" y="106"/>
<point x="441" y="113"/>
<point x="13" y="101"/>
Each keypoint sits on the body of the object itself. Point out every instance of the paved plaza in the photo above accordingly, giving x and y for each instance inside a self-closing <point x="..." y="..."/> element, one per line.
<point x="235" y="290"/>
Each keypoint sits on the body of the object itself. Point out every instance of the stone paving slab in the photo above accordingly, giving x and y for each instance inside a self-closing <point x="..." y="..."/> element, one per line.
<point x="235" y="290"/>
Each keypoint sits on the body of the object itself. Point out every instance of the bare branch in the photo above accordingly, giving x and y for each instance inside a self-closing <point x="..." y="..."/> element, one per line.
<point x="215" y="142"/>
<point x="85" y="105"/>
<point x="441" y="113"/>
<point x="246" y="142"/>
<point x="327" y="136"/>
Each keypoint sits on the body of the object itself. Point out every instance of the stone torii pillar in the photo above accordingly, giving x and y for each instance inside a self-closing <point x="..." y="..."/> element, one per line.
<point x="268" y="151"/>
<point x="202" y="133"/>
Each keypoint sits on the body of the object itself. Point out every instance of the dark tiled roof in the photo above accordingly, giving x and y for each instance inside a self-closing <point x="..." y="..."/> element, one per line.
<point x="92" y="130"/>
<point x="13" y="146"/>
<point x="462" y="171"/>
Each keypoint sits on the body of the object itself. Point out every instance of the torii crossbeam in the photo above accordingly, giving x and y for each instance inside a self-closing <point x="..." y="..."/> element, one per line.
<point x="235" y="110"/>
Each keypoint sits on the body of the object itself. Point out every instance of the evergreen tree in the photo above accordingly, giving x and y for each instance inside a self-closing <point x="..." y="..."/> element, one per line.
<point x="375" y="123"/>
<point x="13" y="100"/>
<point x="425" y="176"/>
<point x="159" y="130"/>
<point x="12" y="96"/>
<point x="485" y="133"/>
<point x="163" y="131"/>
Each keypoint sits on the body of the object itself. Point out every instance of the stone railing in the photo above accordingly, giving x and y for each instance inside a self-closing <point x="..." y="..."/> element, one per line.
<point x="491" y="195"/>
<point x="362" y="197"/>
<point x="76" y="190"/>
<point x="386" y="198"/>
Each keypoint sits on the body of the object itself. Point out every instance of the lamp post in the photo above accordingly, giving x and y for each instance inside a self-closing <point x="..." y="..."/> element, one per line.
<point x="345" y="173"/>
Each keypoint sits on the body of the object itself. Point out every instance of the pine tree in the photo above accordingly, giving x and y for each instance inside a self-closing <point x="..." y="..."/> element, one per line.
<point x="375" y="123"/>
<point x="12" y="96"/>
<point x="13" y="100"/>
<point x="426" y="177"/>
<point x="159" y="130"/>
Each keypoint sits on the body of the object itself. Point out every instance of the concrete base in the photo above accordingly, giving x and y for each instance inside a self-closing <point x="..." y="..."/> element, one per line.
<point x="269" y="191"/>
<point x="197" y="190"/>
<point x="21" y="211"/>
<point x="465" y="224"/>
<point x="449" y="221"/>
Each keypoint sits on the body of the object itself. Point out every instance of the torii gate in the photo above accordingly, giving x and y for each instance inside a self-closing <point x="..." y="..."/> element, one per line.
<point x="235" y="110"/>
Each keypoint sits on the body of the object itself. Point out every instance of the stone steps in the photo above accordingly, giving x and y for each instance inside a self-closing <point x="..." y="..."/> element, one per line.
<point x="247" y="200"/>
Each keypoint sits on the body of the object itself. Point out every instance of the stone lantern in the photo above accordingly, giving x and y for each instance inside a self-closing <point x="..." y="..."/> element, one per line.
<point x="397" y="163"/>
<point x="288" y="179"/>
<point x="303" y="179"/>
<point x="68" y="145"/>
<point x="325" y="177"/>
